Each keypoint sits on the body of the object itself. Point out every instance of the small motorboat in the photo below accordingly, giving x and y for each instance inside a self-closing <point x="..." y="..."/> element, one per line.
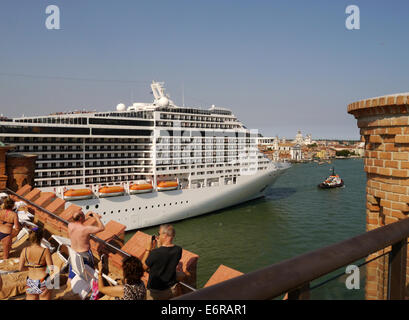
<point x="140" y="188"/>
<point x="167" y="185"/>
<point x="333" y="181"/>
<point x="78" y="194"/>
<point x="111" y="191"/>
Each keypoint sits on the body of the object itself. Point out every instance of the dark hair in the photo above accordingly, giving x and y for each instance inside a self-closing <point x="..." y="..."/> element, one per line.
<point x="133" y="270"/>
<point x="36" y="235"/>
<point x="8" y="204"/>
<point x="77" y="216"/>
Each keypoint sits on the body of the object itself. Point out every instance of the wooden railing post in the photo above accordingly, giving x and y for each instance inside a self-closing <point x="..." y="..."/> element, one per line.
<point x="397" y="271"/>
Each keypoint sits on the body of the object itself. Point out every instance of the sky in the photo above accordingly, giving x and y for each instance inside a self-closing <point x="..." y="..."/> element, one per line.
<point x="279" y="65"/>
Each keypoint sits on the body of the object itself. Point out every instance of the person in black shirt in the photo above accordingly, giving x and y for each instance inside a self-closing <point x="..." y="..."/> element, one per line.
<point x="161" y="263"/>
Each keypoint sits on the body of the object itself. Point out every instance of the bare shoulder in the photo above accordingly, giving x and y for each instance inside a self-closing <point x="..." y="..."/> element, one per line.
<point x="91" y="229"/>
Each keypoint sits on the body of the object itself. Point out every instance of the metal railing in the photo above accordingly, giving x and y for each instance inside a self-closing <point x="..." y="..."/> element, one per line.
<point x="293" y="276"/>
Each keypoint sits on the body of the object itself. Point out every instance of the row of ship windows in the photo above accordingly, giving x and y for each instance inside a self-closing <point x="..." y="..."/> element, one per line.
<point x="196" y="154"/>
<point x="65" y="182"/>
<point x="120" y="148"/>
<point x="204" y="140"/>
<point x="200" y="149"/>
<point x="196" y="125"/>
<point x="133" y="114"/>
<point x="103" y="141"/>
<point x="85" y="121"/>
<point x="195" y="111"/>
<point x="141" y="208"/>
<point x="99" y="164"/>
<point x="101" y="177"/>
<point x="196" y="118"/>
<point x="64" y="173"/>
<point x="92" y="157"/>
<point x="140" y="151"/>
<point x="194" y="161"/>
<point x="137" y="166"/>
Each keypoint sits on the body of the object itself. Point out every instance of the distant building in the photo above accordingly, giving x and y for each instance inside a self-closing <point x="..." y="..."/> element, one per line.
<point x="282" y="149"/>
<point x="299" y="139"/>
<point x="296" y="153"/>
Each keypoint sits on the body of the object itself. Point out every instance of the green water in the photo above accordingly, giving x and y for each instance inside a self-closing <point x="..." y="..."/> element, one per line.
<point x="294" y="218"/>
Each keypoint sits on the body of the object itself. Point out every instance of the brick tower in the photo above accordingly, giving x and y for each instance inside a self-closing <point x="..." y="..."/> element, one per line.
<point x="384" y="125"/>
<point x="3" y="177"/>
<point x="20" y="170"/>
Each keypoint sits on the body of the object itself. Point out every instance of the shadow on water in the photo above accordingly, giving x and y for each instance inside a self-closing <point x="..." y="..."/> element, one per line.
<point x="271" y="194"/>
<point x="279" y="193"/>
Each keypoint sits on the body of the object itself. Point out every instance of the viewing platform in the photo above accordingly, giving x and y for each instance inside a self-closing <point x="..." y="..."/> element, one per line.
<point x="49" y="212"/>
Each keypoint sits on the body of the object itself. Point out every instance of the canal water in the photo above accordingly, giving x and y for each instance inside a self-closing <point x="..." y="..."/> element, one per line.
<point x="294" y="218"/>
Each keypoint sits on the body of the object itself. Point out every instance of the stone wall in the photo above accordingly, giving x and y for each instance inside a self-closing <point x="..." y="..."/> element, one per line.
<point x="384" y="125"/>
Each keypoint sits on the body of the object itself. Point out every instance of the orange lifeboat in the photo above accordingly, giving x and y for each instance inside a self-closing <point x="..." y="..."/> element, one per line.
<point x="167" y="185"/>
<point x="140" y="188"/>
<point x="111" y="191"/>
<point x="77" y="194"/>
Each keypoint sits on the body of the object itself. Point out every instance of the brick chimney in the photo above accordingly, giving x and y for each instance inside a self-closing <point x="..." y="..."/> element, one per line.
<point x="384" y="126"/>
<point x="3" y="177"/>
<point x="20" y="170"/>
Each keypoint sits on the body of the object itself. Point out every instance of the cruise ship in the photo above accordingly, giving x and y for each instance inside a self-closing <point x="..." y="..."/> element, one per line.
<point x="145" y="164"/>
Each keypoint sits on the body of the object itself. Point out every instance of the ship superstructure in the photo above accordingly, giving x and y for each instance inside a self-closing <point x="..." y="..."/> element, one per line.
<point x="194" y="160"/>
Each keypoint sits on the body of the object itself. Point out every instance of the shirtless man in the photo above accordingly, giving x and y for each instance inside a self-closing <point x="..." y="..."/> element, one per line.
<point x="80" y="236"/>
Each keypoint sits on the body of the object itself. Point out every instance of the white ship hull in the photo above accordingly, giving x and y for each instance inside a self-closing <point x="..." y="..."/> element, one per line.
<point x="150" y="209"/>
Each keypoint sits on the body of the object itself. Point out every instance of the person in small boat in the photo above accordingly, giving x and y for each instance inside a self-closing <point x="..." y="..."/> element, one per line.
<point x="38" y="261"/>
<point x="79" y="235"/>
<point x="9" y="226"/>
<point x="133" y="287"/>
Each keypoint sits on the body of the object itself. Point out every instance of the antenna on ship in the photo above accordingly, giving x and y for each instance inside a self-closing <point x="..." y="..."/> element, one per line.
<point x="183" y="94"/>
<point x="161" y="99"/>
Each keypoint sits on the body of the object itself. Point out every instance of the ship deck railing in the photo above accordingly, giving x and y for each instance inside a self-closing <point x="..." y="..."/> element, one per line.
<point x="293" y="277"/>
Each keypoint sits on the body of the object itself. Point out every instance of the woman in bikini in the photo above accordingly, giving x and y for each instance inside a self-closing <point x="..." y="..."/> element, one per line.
<point x="36" y="259"/>
<point x="8" y="220"/>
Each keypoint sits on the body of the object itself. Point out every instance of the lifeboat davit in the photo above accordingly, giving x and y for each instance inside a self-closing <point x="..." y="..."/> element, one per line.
<point x="167" y="185"/>
<point x="140" y="188"/>
<point x="112" y="191"/>
<point x="78" y="194"/>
